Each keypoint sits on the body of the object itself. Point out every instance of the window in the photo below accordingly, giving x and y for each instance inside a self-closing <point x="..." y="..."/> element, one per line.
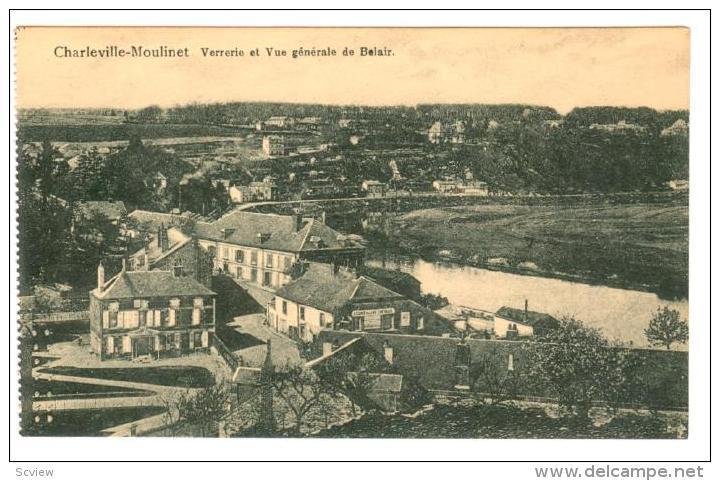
<point x="420" y="324"/>
<point x="267" y="278"/>
<point x="302" y="313"/>
<point x="140" y="304"/>
<point x="113" y="318"/>
<point x="198" y="302"/>
<point x="268" y="260"/>
<point x="224" y="252"/>
<point x="284" y="307"/>
<point x="253" y="275"/>
<point x="197" y="339"/>
<point x="239" y="272"/>
<point x="212" y="251"/>
<point x="404" y="319"/>
<point x="253" y="258"/>
<point x="240" y="256"/>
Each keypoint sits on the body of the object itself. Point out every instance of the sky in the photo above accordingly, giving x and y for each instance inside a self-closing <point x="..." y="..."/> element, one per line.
<point x="558" y="67"/>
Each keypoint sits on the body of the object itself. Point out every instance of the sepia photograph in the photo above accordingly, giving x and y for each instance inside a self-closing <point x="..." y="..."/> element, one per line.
<point x="339" y="233"/>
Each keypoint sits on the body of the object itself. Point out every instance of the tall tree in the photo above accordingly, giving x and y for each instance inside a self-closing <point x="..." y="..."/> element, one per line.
<point x="666" y="328"/>
<point x="577" y="366"/>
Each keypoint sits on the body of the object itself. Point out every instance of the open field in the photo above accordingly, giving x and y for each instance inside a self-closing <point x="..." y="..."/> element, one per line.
<point x="95" y="132"/>
<point x="642" y="246"/>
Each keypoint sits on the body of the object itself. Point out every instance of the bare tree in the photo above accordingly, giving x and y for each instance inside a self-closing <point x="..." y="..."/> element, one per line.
<point x="204" y="408"/>
<point x="352" y="375"/>
<point x="496" y="380"/>
<point x="171" y="416"/>
<point x="666" y="328"/>
<point x="300" y="390"/>
<point x="577" y="366"/>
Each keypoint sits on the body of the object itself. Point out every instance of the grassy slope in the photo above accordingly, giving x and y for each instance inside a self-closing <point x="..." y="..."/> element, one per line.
<point x="636" y="245"/>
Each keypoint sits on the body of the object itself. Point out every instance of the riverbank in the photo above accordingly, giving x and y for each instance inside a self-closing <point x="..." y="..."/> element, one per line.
<point x="640" y="246"/>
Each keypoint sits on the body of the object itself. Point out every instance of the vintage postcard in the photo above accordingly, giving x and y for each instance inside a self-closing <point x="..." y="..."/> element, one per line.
<point x="465" y="233"/>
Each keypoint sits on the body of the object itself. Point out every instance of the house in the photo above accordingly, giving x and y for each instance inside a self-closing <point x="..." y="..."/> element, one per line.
<point x="262" y="248"/>
<point x="263" y="190"/>
<point x="171" y="247"/>
<point x="150" y="313"/>
<point x="436" y="363"/>
<point x="395" y="280"/>
<point x="447" y="186"/>
<point x="328" y="296"/>
<point x="678" y="184"/>
<point x="376" y="384"/>
<point x="255" y="191"/>
<point x="279" y="121"/>
<point x="539" y="321"/>
<point x="457" y="132"/>
<point x="309" y="123"/>
<point x="679" y="127"/>
<point x="374" y="188"/>
<point x="273" y="145"/>
<point x="621" y="126"/>
<point x="240" y="194"/>
<point x="436" y="133"/>
<point x="478" y="323"/>
<point x="441" y="364"/>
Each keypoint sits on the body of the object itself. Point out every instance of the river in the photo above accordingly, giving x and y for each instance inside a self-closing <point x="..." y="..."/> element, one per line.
<point x="622" y="314"/>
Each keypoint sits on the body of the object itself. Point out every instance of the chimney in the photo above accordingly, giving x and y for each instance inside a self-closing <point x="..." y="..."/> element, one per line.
<point x="100" y="277"/>
<point x="124" y="262"/>
<point x="146" y="261"/>
<point x="525" y="317"/>
<point x="322" y="217"/>
<point x="177" y="270"/>
<point x="262" y="237"/>
<point x="327" y="348"/>
<point x="297" y="221"/>
<point x="388" y="351"/>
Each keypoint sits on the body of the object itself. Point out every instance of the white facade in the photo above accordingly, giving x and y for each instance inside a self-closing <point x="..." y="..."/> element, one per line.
<point x="273" y="145"/>
<point x="260" y="266"/>
<point x="297" y="319"/>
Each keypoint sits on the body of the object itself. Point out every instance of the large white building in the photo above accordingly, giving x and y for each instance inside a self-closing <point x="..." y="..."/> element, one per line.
<point x="325" y="296"/>
<point x="273" y="145"/>
<point x="262" y="248"/>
